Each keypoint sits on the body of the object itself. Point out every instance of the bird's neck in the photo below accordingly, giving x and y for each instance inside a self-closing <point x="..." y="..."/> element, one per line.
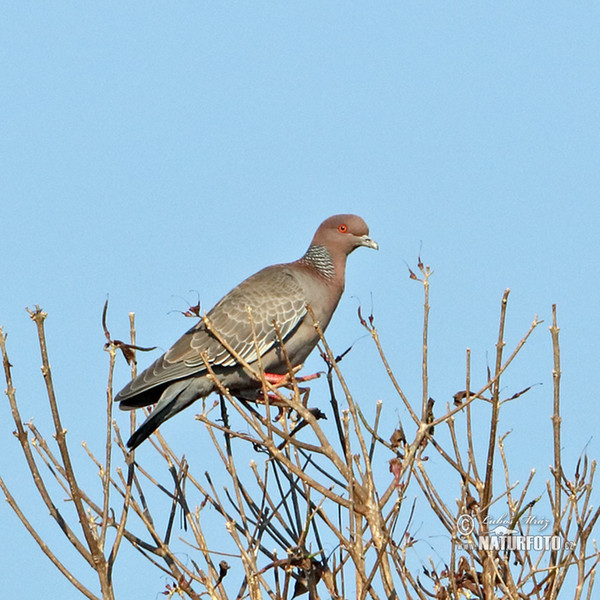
<point x="329" y="267"/>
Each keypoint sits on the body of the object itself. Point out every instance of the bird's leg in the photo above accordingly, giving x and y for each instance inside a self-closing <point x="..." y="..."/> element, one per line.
<point x="276" y="379"/>
<point x="275" y="402"/>
<point x="310" y="377"/>
<point x="284" y="380"/>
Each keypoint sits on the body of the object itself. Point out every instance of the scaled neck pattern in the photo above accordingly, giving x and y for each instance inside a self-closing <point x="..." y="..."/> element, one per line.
<point x="320" y="259"/>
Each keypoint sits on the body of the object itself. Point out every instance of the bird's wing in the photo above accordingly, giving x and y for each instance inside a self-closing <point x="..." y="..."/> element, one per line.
<point x="273" y="295"/>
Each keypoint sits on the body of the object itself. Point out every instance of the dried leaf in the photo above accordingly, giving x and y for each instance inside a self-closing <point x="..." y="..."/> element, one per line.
<point x="397" y="438"/>
<point x="460" y="396"/>
<point x="192" y="311"/>
<point x="396" y="470"/>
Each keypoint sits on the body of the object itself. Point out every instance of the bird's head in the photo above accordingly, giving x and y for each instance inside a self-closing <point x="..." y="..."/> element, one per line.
<point x="344" y="233"/>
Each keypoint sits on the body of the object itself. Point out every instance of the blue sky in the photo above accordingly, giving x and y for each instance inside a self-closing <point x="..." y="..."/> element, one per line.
<point x="150" y="149"/>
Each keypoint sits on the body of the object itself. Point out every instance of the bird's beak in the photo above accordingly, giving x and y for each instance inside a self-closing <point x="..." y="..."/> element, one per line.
<point x="365" y="240"/>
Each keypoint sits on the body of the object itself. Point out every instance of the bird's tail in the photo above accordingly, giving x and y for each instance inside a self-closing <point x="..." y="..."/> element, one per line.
<point x="175" y="398"/>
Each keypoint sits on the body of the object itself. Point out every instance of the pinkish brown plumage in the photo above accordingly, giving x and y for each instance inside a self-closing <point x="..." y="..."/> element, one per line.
<point x="279" y="294"/>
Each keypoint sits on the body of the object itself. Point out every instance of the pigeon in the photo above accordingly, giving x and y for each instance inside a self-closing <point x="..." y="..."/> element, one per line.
<point x="280" y="300"/>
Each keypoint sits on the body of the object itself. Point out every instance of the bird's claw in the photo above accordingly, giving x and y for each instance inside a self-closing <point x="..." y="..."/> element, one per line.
<point x="285" y="380"/>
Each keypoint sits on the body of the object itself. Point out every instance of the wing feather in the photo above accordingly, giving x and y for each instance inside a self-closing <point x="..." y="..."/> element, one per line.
<point x="273" y="295"/>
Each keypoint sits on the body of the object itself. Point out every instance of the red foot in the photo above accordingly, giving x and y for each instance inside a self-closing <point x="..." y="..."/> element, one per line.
<point x="278" y="380"/>
<point x="309" y="377"/>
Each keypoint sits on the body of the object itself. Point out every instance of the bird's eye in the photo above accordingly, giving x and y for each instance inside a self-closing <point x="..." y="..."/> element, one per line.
<point x="343" y="228"/>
